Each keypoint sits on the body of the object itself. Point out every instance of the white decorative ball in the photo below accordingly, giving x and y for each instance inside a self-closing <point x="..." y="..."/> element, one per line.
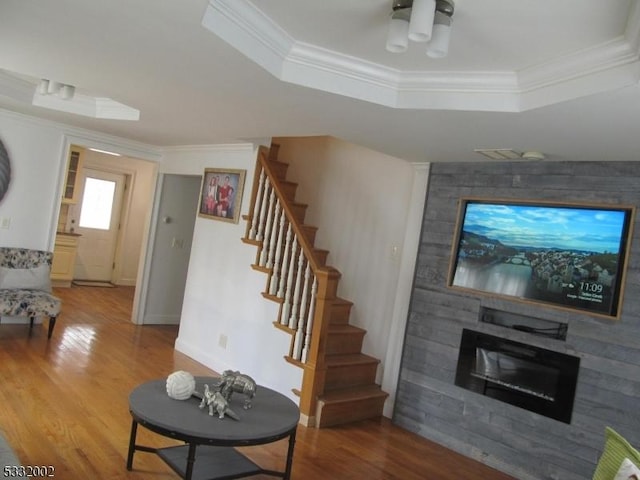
<point x="180" y="385"/>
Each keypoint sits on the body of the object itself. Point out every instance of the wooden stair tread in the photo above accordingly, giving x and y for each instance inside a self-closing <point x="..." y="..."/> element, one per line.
<point x="321" y="255"/>
<point x="289" y="188"/>
<point x="256" y="243"/>
<point x="310" y="232"/>
<point x="260" y="268"/>
<point x="345" y="329"/>
<point x="350" y="404"/>
<point x="273" y="152"/>
<point x="353" y="394"/>
<point x="338" y="301"/>
<point x="343" y="338"/>
<point x="340" y="311"/>
<point x="349" y="359"/>
<point x="273" y="298"/>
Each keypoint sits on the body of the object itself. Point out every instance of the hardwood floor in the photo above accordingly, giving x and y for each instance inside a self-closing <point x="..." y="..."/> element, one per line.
<point x="64" y="402"/>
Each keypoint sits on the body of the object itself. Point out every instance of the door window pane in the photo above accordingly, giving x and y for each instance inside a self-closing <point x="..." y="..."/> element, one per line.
<point x="97" y="203"/>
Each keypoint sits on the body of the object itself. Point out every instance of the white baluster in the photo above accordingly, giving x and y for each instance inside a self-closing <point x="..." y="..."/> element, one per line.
<point x="275" y="278"/>
<point x="274" y="234"/>
<point x="287" y="296"/>
<point x="263" y="208"/>
<point x="312" y="311"/>
<point x="297" y="345"/>
<point x="305" y="295"/>
<point x="285" y="264"/>
<point x="256" y="208"/>
<point x="267" y="233"/>
<point x="293" y="320"/>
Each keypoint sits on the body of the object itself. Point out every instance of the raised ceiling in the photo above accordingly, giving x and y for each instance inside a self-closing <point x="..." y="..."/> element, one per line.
<point x="558" y="77"/>
<point x="581" y="49"/>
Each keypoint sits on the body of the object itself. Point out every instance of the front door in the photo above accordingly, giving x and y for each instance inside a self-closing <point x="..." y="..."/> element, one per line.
<point x="97" y="219"/>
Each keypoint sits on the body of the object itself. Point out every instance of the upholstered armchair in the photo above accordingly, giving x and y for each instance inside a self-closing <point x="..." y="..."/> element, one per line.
<point x="25" y="286"/>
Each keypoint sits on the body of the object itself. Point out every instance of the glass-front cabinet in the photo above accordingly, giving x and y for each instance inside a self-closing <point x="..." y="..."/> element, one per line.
<point x="72" y="178"/>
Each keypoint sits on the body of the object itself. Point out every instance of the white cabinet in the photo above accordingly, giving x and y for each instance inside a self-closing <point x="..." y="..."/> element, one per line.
<point x="64" y="259"/>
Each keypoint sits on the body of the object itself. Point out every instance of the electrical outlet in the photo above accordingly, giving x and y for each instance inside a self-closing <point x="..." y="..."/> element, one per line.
<point x="5" y="223"/>
<point x="222" y="341"/>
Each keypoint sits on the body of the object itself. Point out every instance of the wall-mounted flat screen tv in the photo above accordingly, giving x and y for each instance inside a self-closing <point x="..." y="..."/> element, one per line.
<point x="564" y="255"/>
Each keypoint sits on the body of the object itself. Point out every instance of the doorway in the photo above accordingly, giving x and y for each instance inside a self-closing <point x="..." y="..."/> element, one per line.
<point x="97" y="220"/>
<point x="130" y="219"/>
<point x="170" y="249"/>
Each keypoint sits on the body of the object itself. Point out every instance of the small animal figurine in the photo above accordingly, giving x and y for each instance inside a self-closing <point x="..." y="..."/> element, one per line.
<point x="217" y="403"/>
<point x="234" y="381"/>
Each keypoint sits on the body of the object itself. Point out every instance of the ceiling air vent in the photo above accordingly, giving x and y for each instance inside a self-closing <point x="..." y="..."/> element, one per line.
<point x="509" y="154"/>
<point x="499" y="153"/>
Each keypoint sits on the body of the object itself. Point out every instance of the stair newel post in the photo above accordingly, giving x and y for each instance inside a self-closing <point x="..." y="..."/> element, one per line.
<point x="256" y="199"/>
<point x="309" y="327"/>
<point x="315" y="369"/>
<point x="274" y="282"/>
<point x="295" y="303"/>
<point x="290" y="279"/>
<point x="266" y="243"/>
<point x="285" y="263"/>
<point x="299" y="338"/>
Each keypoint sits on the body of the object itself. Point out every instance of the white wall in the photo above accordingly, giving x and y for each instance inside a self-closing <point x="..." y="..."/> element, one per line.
<point x="32" y="201"/>
<point x="225" y="322"/>
<point x="368" y="207"/>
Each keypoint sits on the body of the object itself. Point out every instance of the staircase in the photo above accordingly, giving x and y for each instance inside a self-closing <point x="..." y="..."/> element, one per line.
<point x="338" y="384"/>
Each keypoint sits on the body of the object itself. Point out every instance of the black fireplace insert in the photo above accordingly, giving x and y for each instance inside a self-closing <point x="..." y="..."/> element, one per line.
<point x="530" y="377"/>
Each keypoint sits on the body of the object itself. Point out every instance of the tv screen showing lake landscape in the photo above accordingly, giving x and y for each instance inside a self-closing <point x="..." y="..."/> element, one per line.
<point x="571" y="256"/>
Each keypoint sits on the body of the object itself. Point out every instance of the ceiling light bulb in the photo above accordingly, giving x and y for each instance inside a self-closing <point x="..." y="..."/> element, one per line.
<point x="421" y="23"/>
<point x="397" y="39"/>
<point x="43" y="86"/>
<point x="67" y="92"/>
<point x="438" y="47"/>
<point x="54" y="87"/>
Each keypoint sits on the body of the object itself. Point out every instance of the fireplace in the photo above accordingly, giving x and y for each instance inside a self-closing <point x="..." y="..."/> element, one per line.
<point x="529" y="377"/>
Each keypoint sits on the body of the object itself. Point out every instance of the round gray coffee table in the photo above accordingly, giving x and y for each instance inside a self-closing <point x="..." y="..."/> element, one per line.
<point x="209" y="453"/>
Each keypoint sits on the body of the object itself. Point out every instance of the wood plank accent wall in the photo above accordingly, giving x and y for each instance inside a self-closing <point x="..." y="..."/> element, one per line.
<point x="516" y="441"/>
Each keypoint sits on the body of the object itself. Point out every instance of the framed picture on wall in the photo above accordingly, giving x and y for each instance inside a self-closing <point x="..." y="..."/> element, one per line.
<point x="221" y="194"/>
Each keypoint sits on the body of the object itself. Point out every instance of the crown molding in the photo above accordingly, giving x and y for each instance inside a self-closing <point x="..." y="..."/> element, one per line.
<point x="612" y="65"/>
<point x="15" y="88"/>
<point x="248" y="29"/>
<point x="219" y="147"/>
<point x="91" y="138"/>
<point x="607" y="56"/>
